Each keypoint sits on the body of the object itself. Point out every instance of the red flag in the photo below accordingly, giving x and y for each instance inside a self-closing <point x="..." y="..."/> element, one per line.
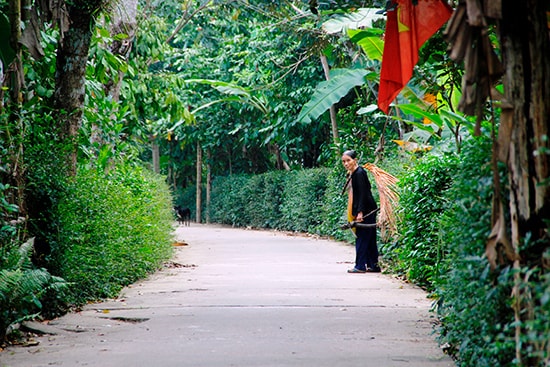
<point x="408" y="26"/>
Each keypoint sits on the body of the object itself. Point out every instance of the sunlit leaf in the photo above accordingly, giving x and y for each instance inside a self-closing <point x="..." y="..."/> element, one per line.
<point x="362" y="18"/>
<point x="331" y="91"/>
<point x="370" y="41"/>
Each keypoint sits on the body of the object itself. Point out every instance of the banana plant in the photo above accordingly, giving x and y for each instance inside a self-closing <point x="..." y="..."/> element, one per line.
<point x="330" y="92"/>
<point x="358" y="26"/>
<point x="362" y="18"/>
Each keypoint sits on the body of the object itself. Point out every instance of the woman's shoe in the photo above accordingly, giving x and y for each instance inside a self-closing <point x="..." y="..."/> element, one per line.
<point x="356" y="271"/>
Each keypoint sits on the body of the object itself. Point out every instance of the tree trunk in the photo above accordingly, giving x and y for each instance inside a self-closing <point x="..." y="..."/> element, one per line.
<point x="199" y="184"/>
<point x="124" y="21"/>
<point x="16" y="67"/>
<point x="523" y="139"/>
<point x="333" y="120"/>
<point x="526" y="123"/>
<point x="70" y="78"/>
<point x="156" y="155"/>
<point x="16" y="81"/>
<point x="208" y="184"/>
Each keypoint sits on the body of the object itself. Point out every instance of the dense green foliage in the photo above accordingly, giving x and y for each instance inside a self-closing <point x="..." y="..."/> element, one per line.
<point x="269" y="59"/>
<point x="23" y="287"/>
<point x="290" y="201"/>
<point x="96" y="231"/>
<point x="418" y="252"/>
<point x="473" y="301"/>
<point x="27" y="286"/>
<point x="230" y="79"/>
<point x="444" y="224"/>
<point x="112" y="229"/>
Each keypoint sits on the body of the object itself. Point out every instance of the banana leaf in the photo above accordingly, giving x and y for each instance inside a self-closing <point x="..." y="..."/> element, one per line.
<point x="370" y="40"/>
<point x="330" y="92"/>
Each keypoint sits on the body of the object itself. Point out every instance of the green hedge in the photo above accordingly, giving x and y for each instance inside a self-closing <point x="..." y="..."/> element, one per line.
<point x="423" y="199"/>
<point x="113" y="229"/>
<point x="473" y="301"/>
<point x="300" y="201"/>
<point x="445" y="209"/>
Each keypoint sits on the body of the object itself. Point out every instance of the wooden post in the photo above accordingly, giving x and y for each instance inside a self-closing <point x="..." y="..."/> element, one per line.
<point x="156" y="155"/>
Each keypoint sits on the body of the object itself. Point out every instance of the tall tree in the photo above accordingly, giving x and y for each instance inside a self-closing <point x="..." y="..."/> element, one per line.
<point x="70" y="76"/>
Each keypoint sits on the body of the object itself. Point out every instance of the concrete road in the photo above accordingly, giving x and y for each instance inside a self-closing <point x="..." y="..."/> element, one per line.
<point x="247" y="298"/>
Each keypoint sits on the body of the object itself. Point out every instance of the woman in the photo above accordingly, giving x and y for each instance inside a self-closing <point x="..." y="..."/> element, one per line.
<point x="363" y="210"/>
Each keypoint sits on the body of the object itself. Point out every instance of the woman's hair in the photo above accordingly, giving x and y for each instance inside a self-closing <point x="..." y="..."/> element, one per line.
<point x="351" y="153"/>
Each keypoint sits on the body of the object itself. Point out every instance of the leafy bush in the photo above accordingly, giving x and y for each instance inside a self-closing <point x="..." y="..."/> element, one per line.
<point x="473" y="301"/>
<point x="113" y="229"/>
<point x="302" y="200"/>
<point x="533" y="296"/>
<point x="24" y="286"/>
<point x="290" y="201"/>
<point x="229" y="198"/>
<point x="265" y="211"/>
<point x="8" y="213"/>
<point x="418" y="252"/>
<point x="334" y="204"/>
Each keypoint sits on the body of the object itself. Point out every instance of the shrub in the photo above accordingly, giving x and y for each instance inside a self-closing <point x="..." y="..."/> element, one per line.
<point x="267" y="190"/>
<point x="418" y="252"/>
<point x="533" y="296"/>
<point x="473" y="301"/>
<point x="302" y="199"/>
<point x="22" y="286"/>
<point x="229" y="197"/>
<point x="334" y="205"/>
<point x="113" y="229"/>
<point x="279" y="200"/>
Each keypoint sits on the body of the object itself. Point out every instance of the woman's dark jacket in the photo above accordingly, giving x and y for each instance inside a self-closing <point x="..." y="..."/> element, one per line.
<point x="362" y="195"/>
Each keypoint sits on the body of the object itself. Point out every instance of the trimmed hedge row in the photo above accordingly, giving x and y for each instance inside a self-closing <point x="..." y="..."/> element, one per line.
<point x="113" y="229"/>
<point x="423" y="199"/>
<point x="301" y="201"/>
<point x="445" y="209"/>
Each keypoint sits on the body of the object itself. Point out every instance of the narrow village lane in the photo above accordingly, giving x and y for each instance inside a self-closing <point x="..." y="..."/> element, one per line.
<point x="246" y="298"/>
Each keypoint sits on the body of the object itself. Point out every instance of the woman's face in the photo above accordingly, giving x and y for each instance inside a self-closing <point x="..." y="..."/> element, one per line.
<point x="349" y="163"/>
